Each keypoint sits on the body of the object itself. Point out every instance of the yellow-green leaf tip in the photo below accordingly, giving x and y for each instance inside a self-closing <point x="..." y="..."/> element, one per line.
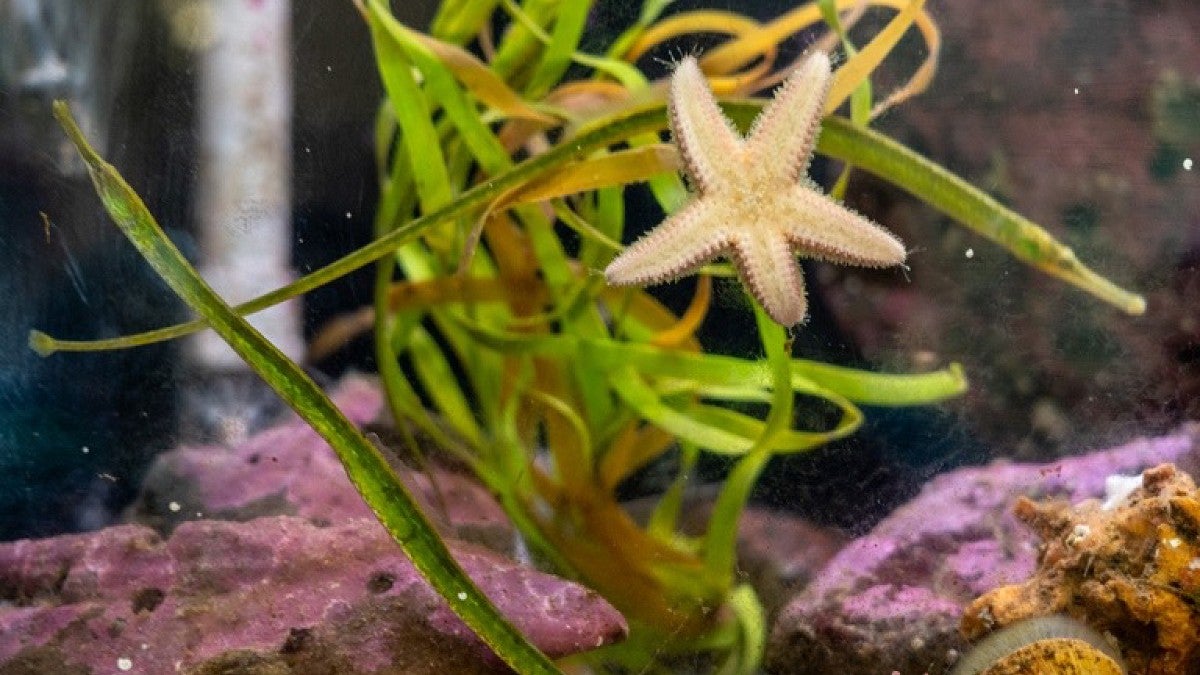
<point x="41" y="343"/>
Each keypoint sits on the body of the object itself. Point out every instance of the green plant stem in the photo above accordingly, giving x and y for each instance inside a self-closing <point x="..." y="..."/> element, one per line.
<point x="721" y="541"/>
<point x="876" y="153"/>
<point x="368" y="470"/>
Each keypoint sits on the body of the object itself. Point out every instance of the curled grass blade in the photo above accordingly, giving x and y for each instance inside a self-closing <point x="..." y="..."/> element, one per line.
<point x="710" y="21"/>
<point x="616" y="168"/>
<point x="412" y="112"/>
<point x="860" y="66"/>
<point x="442" y="385"/>
<point x="884" y="389"/>
<point x="752" y="632"/>
<point x="484" y="84"/>
<point x="684" y="330"/>
<point x="458" y="21"/>
<point x="645" y="401"/>
<point x="651" y="10"/>
<point x="786" y="441"/>
<point x="719" y="377"/>
<point x="731" y="55"/>
<point x="860" y="101"/>
<point x="437" y="68"/>
<point x="556" y="58"/>
<point x="562" y="46"/>
<point x="523" y="38"/>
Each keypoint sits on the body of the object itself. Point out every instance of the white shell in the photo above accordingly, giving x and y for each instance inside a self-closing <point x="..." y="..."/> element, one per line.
<point x="1058" y="633"/>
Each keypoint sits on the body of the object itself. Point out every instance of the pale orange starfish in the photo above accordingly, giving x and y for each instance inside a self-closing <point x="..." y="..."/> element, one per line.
<point x="754" y="202"/>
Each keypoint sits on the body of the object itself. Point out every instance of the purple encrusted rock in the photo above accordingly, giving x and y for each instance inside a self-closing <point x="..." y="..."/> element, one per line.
<point x="779" y="554"/>
<point x="285" y="470"/>
<point x="892" y="599"/>
<point x="290" y="470"/>
<point x="272" y="593"/>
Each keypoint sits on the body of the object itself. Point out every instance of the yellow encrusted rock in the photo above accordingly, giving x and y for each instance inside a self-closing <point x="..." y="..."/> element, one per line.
<point x="1132" y="572"/>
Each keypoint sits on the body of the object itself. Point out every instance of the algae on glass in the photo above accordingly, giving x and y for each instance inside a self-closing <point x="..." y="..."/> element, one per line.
<point x="503" y="162"/>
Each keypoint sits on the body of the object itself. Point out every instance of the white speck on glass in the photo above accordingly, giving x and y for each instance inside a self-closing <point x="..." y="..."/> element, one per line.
<point x="174" y="507"/>
<point x="462" y="595"/>
<point x="970" y="253"/>
<point x="1187" y="164"/>
<point x="124" y="663"/>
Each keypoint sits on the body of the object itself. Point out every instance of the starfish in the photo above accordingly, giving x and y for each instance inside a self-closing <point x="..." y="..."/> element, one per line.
<point x="753" y="201"/>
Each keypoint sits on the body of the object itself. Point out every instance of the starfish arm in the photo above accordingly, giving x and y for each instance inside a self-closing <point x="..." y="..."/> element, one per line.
<point x="706" y="139"/>
<point x="785" y="133"/>
<point x="820" y="227"/>
<point x="768" y="268"/>
<point x="681" y="243"/>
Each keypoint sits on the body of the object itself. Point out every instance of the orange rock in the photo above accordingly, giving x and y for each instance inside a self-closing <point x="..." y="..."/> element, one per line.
<point x="1132" y="572"/>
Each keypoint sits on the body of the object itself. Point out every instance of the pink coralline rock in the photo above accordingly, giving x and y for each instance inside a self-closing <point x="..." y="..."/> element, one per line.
<point x="287" y="469"/>
<point x="273" y="595"/>
<point x="780" y="554"/>
<point x="274" y="565"/>
<point x="290" y="470"/>
<point x="893" y="599"/>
